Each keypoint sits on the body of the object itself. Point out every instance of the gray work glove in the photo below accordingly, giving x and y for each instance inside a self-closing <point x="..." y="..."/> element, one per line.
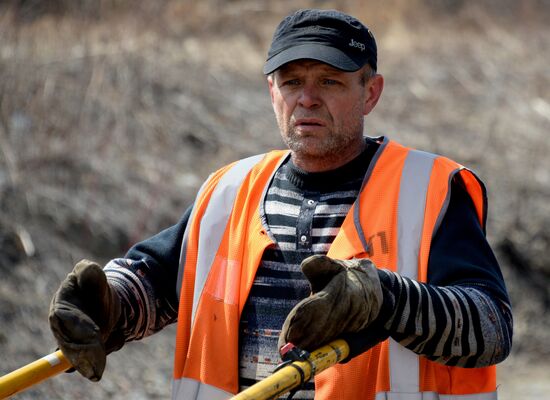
<point x="83" y="314"/>
<point x="346" y="297"/>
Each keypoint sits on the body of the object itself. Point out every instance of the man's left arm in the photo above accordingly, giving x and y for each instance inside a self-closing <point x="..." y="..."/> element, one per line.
<point x="461" y="317"/>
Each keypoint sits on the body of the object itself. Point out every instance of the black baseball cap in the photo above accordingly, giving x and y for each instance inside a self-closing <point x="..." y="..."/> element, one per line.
<point x="328" y="36"/>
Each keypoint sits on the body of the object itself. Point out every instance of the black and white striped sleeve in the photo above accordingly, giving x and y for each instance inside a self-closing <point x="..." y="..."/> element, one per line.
<point x="145" y="280"/>
<point x="462" y="316"/>
<point x="141" y="316"/>
<point x="455" y="325"/>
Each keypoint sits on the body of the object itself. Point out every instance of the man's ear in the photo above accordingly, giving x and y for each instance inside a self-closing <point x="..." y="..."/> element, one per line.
<point x="270" y="84"/>
<point x="373" y="87"/>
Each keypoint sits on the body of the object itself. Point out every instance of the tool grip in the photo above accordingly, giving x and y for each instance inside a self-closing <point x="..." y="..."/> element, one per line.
<point x="296" y="373"/>
<point x="33" y="373"/>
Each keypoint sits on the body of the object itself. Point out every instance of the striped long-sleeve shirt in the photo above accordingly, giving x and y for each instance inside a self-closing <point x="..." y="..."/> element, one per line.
<point x="460" y="317"/>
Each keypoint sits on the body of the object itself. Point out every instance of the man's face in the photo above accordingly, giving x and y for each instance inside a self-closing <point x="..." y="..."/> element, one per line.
<point x="320" y="112"/>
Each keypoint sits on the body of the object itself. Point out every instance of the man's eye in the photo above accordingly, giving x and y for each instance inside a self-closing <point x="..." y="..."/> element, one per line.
<point x="291" y="82"/>
<point x="330" y="82"/>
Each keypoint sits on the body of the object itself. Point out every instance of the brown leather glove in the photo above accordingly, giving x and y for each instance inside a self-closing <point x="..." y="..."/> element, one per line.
<point x="83" y="314"/>
<point x="346" y="297"/>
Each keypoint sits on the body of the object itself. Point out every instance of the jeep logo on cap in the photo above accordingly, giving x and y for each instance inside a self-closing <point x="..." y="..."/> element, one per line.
<point x="356" y="44"/>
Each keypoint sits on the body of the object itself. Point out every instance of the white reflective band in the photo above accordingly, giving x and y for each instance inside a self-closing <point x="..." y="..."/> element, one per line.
<point x="214" y="220"/>
<point x="52" y="359"/>
<point x="190" y="389"/>
<point x="435" y="396"/>
<point x="413" y="189"/>
<point x="183" y="252"/>
<point x="404" y="369"/>
<point x="405" y="396"/>
<point x="415" y="178"/>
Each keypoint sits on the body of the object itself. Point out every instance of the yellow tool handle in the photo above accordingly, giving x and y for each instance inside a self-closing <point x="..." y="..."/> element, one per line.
<point x="281" y="382"/>
<point x="289" y="377"/>
<point x="33" y="373"/>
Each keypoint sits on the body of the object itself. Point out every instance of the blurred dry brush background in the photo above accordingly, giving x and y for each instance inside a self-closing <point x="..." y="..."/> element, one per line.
<point x="113" y="112"/>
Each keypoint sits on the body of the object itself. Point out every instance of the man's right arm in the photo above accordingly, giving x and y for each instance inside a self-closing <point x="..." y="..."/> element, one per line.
<point x="95" y="311"/>
<point x="145" y="280"/>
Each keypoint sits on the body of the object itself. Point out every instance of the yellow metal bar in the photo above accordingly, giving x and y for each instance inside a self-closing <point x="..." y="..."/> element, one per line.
<point x="289" y="377"/>
<point x="281" y="382"/>
<point x="33" y="373"/>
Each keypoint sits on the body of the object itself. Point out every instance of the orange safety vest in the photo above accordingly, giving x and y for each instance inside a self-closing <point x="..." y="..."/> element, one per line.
<point x="404" y="196"/>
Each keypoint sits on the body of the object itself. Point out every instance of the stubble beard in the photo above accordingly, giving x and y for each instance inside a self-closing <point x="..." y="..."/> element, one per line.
<point x="328" y="148"/>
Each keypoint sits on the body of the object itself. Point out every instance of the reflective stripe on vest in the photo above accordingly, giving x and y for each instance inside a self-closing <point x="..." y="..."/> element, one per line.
<point x="404" y="364"/>
<point x="215" y="220"/>
<point x="436" y="396"/>
<point x="186" y="389"/>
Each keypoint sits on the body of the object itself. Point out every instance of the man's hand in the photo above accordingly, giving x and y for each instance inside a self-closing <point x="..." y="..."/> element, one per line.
<point x="83" y="313"/>
<point x="346" y="297"/>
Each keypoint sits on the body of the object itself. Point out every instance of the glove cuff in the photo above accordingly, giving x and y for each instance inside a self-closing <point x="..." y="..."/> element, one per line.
<point x="377" y="331"/>
<point x="361" y="341"/>
<point x="117" y="337"/>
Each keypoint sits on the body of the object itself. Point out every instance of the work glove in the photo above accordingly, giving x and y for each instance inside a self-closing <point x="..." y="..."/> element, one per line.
<point x="83" y="314"/>
<point x="346" y="298"/>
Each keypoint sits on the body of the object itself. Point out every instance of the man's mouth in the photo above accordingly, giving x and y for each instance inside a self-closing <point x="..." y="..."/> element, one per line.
<point x="304" y="122"/>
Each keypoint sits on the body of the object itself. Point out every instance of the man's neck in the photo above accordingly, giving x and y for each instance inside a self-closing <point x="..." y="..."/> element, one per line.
<point x="327" y="162"/>
<point x="327" y="181"/>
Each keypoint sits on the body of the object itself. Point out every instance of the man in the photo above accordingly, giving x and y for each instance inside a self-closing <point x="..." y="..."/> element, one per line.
<point x="341" y="236"/>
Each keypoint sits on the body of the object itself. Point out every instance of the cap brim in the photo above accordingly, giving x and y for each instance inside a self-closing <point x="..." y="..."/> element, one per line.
<point x="319" y="52"/>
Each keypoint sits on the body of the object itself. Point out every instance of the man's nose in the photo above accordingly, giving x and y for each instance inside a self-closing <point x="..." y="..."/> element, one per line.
<point x="309" y="97"/>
